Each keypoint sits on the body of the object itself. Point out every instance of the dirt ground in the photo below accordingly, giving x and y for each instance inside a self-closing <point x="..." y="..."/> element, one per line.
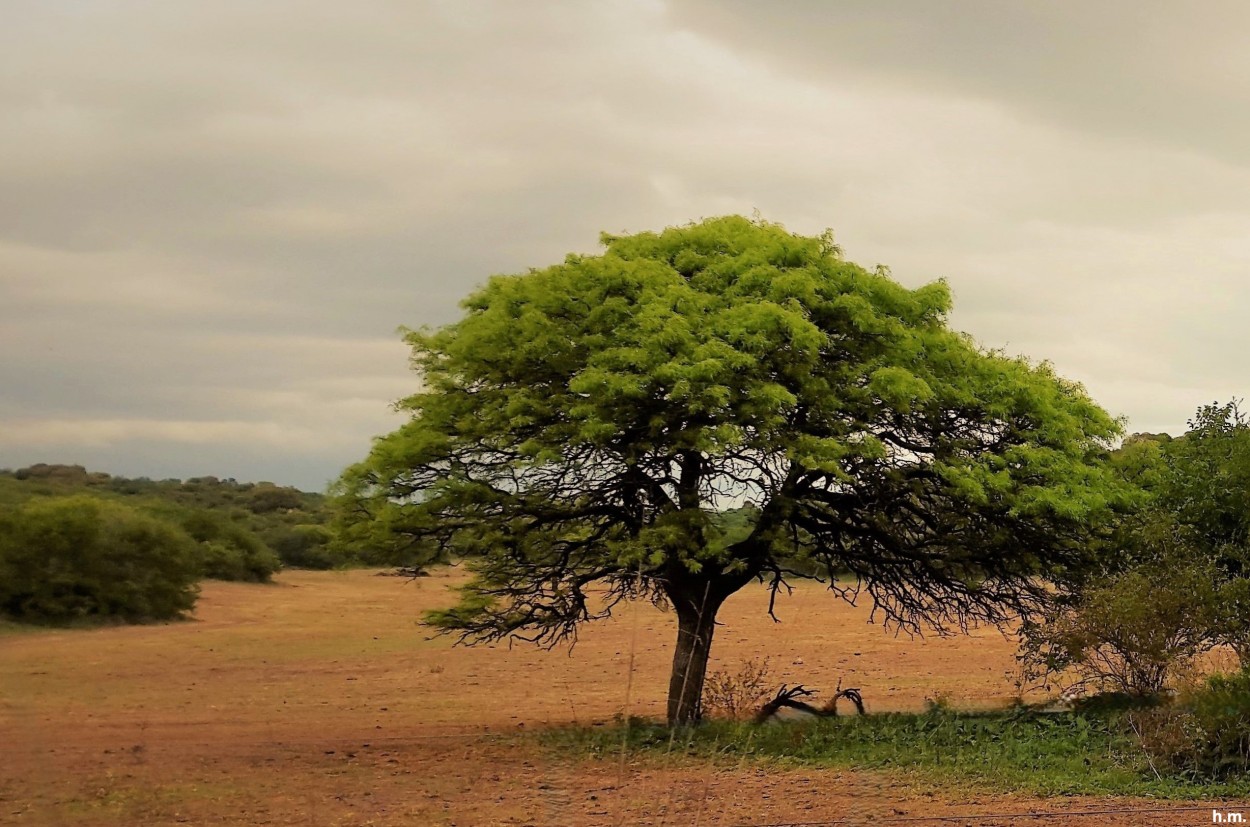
<point x="319" y="701"/>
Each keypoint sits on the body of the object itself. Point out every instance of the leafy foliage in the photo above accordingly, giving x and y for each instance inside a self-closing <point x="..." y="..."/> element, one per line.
<point x="579" y="426"/>
<point x="306" y="546"/>
<point x="1173" y="579"/>
<point x="228" y="550"/>
<point x="77" y="558"/>
<point x="1130" y="631"/>
<point x="1207" y="490"/>
<point x="1207" y="482"/>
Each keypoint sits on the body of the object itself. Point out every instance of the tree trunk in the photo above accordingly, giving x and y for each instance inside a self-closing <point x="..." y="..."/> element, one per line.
<point x="696" y="621"/>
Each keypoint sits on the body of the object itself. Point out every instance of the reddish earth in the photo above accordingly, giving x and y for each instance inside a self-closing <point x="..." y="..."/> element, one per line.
<point x="319" y="701"/>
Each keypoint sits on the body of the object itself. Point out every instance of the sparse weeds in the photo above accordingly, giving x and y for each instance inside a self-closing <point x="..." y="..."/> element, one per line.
<point x="736" y="695"/>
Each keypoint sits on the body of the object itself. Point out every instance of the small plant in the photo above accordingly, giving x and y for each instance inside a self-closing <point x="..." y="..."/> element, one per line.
<point x="736" y="695"/>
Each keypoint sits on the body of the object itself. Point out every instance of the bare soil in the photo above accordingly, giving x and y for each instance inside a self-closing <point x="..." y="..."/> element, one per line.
<point x="318" y="700"/>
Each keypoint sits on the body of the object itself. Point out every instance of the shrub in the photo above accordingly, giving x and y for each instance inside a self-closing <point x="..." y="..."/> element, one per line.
<point x="304" y="546"/>
<point x="265" y="497"/>
<point x="72" y="558"/>
<point x="1206" y="733"/>
<point x="1130" y="631"/>
<point x="228" y="551"/>
<point x="1232" y="617"/>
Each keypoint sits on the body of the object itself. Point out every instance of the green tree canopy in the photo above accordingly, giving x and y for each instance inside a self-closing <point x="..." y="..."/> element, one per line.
<point x="1204" y="489"/>
<point x="1206" y="484"/>
<point x="579" y="426"/>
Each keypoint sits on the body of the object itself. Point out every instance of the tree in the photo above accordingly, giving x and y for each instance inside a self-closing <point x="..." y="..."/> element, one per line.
<point x="1205" y="487"/>
<point x="1206" y="482"/>
<point x="580" y="425"/>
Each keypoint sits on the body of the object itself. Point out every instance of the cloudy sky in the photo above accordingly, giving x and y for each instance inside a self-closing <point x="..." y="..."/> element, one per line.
<point x="214" y="216"/>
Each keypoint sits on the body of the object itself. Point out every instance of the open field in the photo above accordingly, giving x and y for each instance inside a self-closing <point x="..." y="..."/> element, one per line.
<point x="318" y="700"/>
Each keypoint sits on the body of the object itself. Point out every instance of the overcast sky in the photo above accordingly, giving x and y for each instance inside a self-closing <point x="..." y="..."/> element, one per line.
<point x="214" y="216"/>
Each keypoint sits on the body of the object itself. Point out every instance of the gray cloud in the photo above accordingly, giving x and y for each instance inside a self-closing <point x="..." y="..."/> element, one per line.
<point x="1137" y="71"/>
<point x="214" y="216"/>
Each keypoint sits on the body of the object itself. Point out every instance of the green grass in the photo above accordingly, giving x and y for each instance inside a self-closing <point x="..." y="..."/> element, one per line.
<point x="1042" y="754"/>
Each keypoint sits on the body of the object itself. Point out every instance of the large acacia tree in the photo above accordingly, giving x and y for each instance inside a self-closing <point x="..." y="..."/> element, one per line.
<point x="578" y="429"/>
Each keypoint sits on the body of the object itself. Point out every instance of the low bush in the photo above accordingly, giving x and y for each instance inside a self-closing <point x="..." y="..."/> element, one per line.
<point x="305" y="547"/>
<point x="1129" y="632"/>
<point x="1205" y="733"/>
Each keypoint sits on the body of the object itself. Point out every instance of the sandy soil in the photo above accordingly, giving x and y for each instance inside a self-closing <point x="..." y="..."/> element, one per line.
<point x="318" y="700"/>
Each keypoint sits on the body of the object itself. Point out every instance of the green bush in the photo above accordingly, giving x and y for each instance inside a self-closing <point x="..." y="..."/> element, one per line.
<point x="74" y="558"/>
<point x="305" y="547"/>
<point x="229" y="551"/>
<point x="1129" y="631"/>
<point x="1232" y="617"/>
<point x="266" y="497"/>
<point x="1206" y="733"/>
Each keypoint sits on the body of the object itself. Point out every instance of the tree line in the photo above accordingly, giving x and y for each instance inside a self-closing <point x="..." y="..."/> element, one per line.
<point x="82" y="546"/>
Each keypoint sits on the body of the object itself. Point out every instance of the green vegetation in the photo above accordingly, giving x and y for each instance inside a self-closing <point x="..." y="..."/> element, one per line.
<point x="80" y="558"/>
<point x="229" y="551"/>
<point x="246" y="531"/>
<point x="1206" y="733"/>
<point x="1082" y="753"/>
<point x="121" y="541"/>
<point x="1171" y="580"/>
<point x="312" y="546"/>
<point x="728" y="402"/>
<point x="582" y="423"/>
<point x="1128" y="631"/>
